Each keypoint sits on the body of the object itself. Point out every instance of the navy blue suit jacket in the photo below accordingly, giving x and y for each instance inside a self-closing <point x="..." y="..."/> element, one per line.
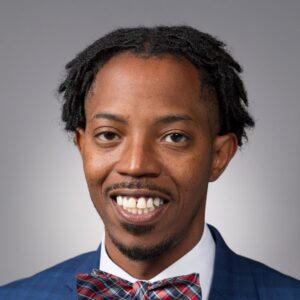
<point x="235" y="278"/>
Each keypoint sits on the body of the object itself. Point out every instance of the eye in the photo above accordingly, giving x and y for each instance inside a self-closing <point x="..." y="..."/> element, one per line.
<point x="107" y="136"/>
<point x="175" y="138"/>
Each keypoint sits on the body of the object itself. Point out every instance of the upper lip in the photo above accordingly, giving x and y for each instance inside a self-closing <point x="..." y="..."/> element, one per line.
<point x="137" y="193"/>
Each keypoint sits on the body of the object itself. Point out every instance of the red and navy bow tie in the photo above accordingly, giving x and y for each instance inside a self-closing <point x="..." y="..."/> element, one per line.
<point x="100" y="285"/>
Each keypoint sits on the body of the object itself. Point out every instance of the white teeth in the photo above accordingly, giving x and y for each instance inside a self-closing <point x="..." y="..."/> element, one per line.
<point x="125" y="202"/>
<point x="158" y="202"/>
<point x="120" y="200"/>
<point x="131" y="202"/>
<point x="141" y="203"/>
<point x="150" y="202"/>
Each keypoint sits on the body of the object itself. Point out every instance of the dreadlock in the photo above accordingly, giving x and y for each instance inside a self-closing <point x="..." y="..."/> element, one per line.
<point x="208" y="54"/>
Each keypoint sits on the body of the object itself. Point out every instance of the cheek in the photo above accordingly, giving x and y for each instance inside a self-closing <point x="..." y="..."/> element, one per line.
<point x="95" y="170"/>
<point x="94" y="175"/>
<point x="92" y="167"/>
<point x="192" y="176"/>
<point x="194" y="167"/>
<point x="96" y="165"/>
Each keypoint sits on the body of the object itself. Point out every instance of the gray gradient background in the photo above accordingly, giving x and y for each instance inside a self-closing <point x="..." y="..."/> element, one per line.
<point x="46" y="215"/>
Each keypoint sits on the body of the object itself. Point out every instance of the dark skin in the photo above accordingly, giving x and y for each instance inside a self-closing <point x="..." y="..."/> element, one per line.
<point x="147" y="122"/>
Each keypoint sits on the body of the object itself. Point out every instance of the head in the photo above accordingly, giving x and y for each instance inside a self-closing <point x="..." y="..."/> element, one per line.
<point x="157" y="114"/>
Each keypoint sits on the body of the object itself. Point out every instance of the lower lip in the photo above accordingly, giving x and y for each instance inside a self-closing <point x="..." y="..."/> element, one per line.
<point x="143" y="219"/>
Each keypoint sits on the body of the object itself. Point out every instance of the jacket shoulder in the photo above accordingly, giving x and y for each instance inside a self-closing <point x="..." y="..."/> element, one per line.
<point x="270" y="283"/>
<point x="239" y="277"/>
<point x="47" y="284"/>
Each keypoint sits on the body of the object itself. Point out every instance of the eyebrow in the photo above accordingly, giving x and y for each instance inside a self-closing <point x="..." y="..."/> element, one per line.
<point x="173" y="118"/>
<point x="111" y="117"/>
<point x="163" y="119"/>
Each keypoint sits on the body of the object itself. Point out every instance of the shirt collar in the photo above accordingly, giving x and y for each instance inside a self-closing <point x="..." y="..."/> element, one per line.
<point x="200" y="260"/>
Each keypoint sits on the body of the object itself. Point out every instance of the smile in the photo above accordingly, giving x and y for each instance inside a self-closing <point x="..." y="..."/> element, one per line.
<point x="141" y="205"/>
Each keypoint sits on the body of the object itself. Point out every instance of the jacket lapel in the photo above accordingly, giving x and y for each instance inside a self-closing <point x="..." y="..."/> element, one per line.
<point x="90" y="261"/>
<point x="232" y="277"/>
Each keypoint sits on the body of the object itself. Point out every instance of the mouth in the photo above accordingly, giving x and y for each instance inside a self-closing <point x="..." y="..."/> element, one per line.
<point x="139" y="206"/>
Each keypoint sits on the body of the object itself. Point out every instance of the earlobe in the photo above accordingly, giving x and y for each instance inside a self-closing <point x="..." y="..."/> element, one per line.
<point x="79" y="139"/>
<point x="224" y="148"/>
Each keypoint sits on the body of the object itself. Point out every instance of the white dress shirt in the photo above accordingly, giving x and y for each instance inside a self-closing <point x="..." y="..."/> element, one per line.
<point x="200" y="260"/>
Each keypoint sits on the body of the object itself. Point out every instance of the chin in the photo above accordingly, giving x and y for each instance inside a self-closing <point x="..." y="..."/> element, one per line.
<point x="140" y="243"/>
<point x="142" y="252"/>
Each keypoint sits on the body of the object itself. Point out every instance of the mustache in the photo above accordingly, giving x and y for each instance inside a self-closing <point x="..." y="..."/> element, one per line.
<point x="137" y="184"/>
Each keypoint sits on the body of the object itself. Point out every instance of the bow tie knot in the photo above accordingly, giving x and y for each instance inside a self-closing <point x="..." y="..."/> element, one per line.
<point x="101" y="285"/>
<point x="139" y="290"/>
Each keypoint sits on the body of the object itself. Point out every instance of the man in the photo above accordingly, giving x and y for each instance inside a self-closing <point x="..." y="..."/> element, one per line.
<point x="157" y="114"/>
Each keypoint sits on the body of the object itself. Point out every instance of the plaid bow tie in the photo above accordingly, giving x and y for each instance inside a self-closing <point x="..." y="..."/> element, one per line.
<point x="101" y="285"/>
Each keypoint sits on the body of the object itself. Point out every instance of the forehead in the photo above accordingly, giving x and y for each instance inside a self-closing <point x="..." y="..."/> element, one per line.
<point x="164" y="84"/>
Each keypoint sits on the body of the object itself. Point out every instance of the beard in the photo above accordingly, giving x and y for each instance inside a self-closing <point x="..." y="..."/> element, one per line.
<point x="143" y="253"/>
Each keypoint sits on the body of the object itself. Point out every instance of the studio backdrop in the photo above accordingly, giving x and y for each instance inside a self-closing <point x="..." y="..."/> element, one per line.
<point x="46" y="214"/>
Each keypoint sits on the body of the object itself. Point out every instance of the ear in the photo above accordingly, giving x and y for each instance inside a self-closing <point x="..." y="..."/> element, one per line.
<point x="79" y="139"/>
<point x="224" y="148"/>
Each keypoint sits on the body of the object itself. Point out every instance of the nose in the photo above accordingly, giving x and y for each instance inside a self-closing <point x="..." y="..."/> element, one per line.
<point x="138" y="159"/>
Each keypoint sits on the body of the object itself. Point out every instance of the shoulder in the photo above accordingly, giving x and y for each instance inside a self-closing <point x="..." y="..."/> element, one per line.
<point x="53" y="283"/>
<point x="270" y="282"/>
<point x="240" y="277"/>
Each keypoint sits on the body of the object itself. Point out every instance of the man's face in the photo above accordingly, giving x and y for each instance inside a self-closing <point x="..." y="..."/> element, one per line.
<point x="149" y="151"/>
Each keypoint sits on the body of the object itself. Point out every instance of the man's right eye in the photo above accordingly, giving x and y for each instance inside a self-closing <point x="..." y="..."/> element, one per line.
<point x="107" y="136"/>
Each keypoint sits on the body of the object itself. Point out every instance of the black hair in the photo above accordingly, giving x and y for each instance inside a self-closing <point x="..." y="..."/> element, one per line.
<point x="219" y="69"/>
